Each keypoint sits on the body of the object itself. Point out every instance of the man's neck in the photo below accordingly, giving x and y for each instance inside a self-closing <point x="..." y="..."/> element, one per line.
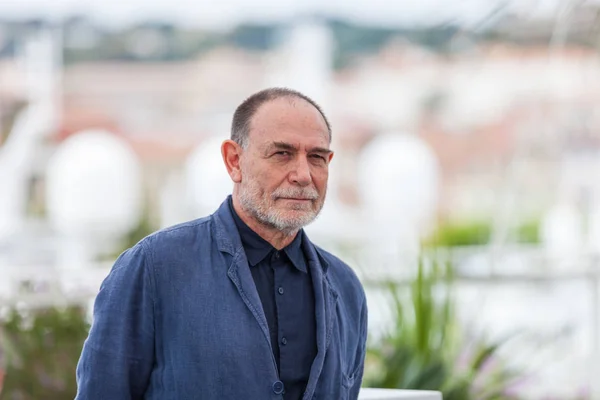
<point x="275" y="237"/>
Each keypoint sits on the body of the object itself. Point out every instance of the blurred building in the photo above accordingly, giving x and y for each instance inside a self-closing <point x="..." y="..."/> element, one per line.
<point x="478" y="110"/>
<point x="483" y="107"/>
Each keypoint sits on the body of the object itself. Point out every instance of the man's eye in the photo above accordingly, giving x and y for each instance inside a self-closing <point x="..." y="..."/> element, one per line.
<point x="318" y="157"/>
<point x="282" y="153"/>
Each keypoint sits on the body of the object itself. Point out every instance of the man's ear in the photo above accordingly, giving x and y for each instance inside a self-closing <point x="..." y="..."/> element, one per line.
<point x="231" y="152"/>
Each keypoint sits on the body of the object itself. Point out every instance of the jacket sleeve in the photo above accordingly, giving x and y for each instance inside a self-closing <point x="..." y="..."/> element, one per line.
<point x="362" y="351"/>
<point x="118" y="354"/>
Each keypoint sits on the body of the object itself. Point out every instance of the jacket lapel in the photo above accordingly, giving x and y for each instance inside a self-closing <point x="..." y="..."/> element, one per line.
<point x="229" y="242"/>
<point x="240" y="275"/>
<point x="325" y="310"/>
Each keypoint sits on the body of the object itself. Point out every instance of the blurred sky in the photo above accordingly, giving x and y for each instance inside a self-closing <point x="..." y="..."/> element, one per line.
<point x="225" y="13"/>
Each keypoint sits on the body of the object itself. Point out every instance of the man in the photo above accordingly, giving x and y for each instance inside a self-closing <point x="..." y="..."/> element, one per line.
<point x="240" y="304"/>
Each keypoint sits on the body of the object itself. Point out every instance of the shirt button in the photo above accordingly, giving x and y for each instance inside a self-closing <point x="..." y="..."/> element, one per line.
<point x="276" y="255"/>
<point x="284" y="341"/>
<point x="280" y="290"/>
<point x="278" y="387"/>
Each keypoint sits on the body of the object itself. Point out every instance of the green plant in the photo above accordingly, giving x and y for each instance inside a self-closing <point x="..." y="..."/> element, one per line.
<point x="426" y="349"/>
<point x="460" y="234"/>
<point x="42" y="348"/>
<point x="478" y="232"/>
<point x="529" y="232"/>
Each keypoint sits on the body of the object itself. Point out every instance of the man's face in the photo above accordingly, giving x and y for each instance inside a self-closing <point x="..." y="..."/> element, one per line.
<point x="285" y="166"/>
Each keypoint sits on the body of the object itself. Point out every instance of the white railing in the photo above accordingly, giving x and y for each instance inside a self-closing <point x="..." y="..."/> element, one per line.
<point x="396" y="394"/>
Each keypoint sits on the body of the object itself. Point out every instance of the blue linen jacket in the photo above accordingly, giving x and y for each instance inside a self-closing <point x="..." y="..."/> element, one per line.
<point x="179" y="318"/>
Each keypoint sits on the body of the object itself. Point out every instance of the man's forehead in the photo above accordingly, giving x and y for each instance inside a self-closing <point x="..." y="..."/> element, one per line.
<point x="287" y="110"/>
<point x="264" y="138"/>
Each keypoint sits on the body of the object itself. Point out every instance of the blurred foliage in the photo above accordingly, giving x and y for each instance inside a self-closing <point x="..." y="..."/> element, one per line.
<point x="87" y="40"/>
<point x="253" y="36"/>
<point x="42" y="349"/>
<point x="147" y="41"/>
<point x="460" y="234"/>
<point x="472" y="233"/>
<point x="528" y="232"/>
<point x="425" y="348"/>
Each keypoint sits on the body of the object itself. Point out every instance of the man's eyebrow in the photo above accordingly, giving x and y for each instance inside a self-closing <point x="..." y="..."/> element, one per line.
<point x="282" y="146"/>
<point x="320" y="150"/>
<point x="291" y="147"/>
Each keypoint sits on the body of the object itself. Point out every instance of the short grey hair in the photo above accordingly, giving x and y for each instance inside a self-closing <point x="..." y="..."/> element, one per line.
<point x="242" y="117"/>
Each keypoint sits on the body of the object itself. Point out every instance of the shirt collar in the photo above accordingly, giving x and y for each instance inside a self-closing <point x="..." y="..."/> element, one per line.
<point x="257" y="248"/>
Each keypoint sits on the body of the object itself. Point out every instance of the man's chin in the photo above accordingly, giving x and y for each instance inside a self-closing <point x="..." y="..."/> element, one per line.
<point x="302" y="206"/>
<point x="296" y="214"/>
<point x="298" y="221"/>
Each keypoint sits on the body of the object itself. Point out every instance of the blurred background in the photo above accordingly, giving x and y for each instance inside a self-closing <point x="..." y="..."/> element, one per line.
<point x="465" y="190"/>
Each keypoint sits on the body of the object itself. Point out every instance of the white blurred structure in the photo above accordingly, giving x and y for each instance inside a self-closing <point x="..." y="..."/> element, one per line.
<point x="94" y="193"/>
<point x="206" y="177"/>
<point x="304" y="63"/>
<point x="398" y="180"/>
<point x="593" y="231"/>
<point x="561" y="230"/>
<point x="42" y="64"/>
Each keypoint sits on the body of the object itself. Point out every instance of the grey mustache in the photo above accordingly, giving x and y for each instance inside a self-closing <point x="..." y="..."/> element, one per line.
<point x="308" y="194"/>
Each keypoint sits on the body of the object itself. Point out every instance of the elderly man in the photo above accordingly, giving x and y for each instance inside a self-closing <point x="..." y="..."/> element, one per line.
<point x="239" y="304"/>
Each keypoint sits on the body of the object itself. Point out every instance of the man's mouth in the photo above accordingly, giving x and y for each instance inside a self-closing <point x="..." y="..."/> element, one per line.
<point x="296" y="198"/>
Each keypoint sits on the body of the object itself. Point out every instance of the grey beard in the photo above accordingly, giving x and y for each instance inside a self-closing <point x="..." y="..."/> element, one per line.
<point x="258" y="207"/>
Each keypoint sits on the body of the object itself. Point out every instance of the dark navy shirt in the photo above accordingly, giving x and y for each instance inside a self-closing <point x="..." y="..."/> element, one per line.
<point x="285" y="289"/>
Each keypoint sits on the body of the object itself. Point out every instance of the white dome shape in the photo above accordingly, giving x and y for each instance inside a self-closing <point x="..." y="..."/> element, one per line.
<point x="94" y="186"/>
<point x="207" y="180"/>
<point x="398" y="181"/>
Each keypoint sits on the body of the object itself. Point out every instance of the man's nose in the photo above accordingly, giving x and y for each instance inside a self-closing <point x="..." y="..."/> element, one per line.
<point x="301" y="173"/>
